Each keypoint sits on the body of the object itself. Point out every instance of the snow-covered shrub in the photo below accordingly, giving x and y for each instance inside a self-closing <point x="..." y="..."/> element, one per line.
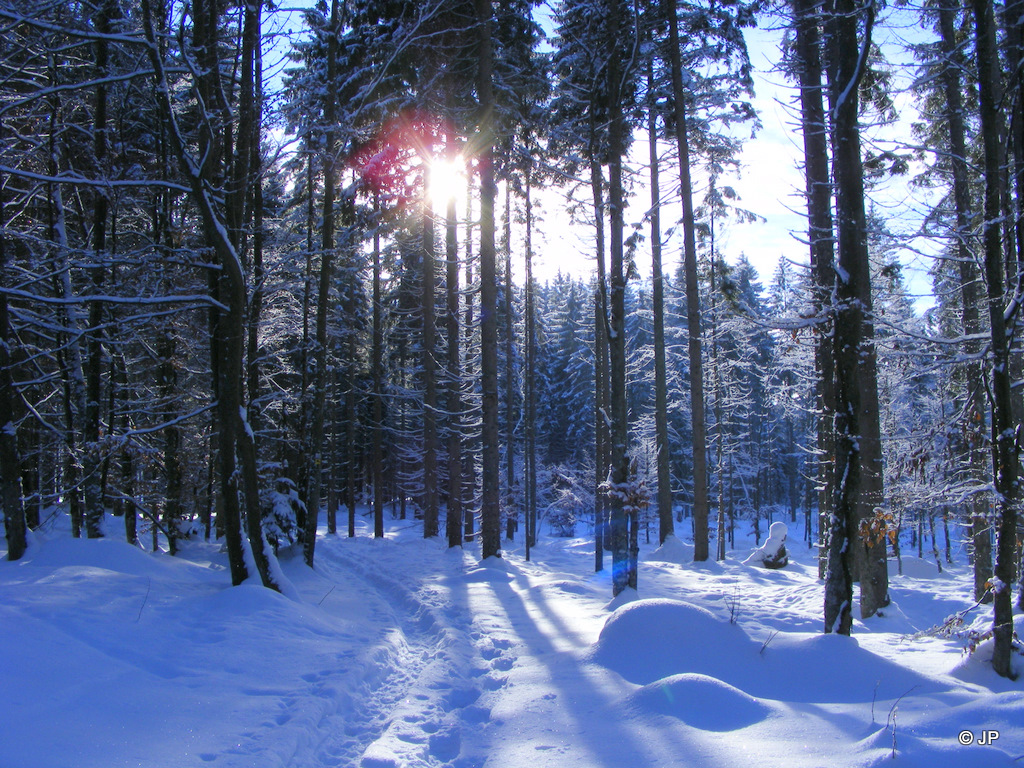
<point x="280" y="524"/>
<point x="570" y="496"/>
<point x="771" y="554"/>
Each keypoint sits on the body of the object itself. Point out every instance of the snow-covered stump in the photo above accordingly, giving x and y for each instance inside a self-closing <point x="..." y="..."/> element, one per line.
<point x="771" y="554"/>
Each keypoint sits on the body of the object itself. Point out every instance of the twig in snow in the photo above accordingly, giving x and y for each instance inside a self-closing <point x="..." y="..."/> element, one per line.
<point x="149" y="584"/>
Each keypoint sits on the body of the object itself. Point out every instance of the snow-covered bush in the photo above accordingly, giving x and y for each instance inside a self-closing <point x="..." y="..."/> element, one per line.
<point x="280" y="524"/>
<point x="570" y="496"/>
<point x="771" y="554"/>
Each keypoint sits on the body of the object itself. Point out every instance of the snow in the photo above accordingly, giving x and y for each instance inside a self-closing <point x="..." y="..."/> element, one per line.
<point x="400" y="653"/>
<point x="768" y="551"/>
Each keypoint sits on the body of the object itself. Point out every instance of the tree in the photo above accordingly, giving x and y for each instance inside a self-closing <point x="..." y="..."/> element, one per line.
<point x="666" y="525"/>
<point x="15" y="526"/>
<point x="234" y="432"/>
<point x="483" y="150"/>
<point x="693" y="327"/>
<point x="858" y="491"/>
<point x="818" y="191"/>
<point x="1004" y="444"/>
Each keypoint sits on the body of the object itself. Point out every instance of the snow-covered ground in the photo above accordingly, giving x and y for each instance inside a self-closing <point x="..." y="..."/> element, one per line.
<point x="399" y="653"/>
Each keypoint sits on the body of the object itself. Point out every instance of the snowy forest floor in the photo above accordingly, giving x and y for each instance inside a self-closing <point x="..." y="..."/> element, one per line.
<point x="400" y="653"/>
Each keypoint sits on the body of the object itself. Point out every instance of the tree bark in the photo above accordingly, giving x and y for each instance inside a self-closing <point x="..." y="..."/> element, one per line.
<point x="490" y="504"/>
<point x="619" y="478"/>
<point x="429" y="499"/>
<point x="529" y="377"/>
<point x="453" y="517"/>
<point x="666" y="523"/>
<point x="818" y="190"/>
<point x="974" y="412"/>
<point x="15" y="527"/>
<point x="315" y="404"/>
<point x="858" y="470"/>
<point x="235" y="434"/>
<point x="1004" y="445"/>
<point x="601" y="395"/>
<point x="693" y="328"/>
<point x="377" y="372"/>
<point x="511" y="505"/>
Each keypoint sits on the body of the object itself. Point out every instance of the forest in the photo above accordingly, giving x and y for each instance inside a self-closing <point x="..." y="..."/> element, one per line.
<point x="263" y="266"/>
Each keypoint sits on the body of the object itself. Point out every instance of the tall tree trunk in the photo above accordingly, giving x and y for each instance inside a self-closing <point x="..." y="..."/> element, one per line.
<point x="666" y="523"/>
<point x="693" y="329"/>
<point x="470" y="485"/>
<point x="601" y="534"/>
<point x="858" y="443"/>
<point x="429" y="500"/>
<point x="377" y="372"/>
<point x="974" y="413"/>
<point x="235" y="435"/>
<point x="1004" y="448"/>
<point x="529" y="379"/>
<point x="490" y="507"/>
<point x="619" y="478"/>
<point x="511" y="511"/>
<point x="11" y="504"/>
<point x="453" y="517"/>
<point x="314" y="417"/>
<point x="258" y="238"/>
<point x="167" y="376"/>
<point x="101" y="210"/>
<point x="818" y="190"/>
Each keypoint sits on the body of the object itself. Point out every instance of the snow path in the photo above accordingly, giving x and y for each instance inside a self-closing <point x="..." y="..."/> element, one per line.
<point x="400" y="653"/>
<point x="409" y="714"/>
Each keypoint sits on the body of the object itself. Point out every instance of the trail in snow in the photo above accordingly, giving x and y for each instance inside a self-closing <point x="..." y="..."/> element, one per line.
<point x="428" y="691"/>
<point x="400" y="653"/>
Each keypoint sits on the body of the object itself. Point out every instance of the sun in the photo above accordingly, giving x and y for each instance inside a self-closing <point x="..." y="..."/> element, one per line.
<point x="448" y="180"/>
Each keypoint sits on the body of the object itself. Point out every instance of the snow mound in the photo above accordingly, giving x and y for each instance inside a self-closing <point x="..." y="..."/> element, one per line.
<point x="493" y="569"/>
<point x="676" y="637"/>
<point x="833" y="668"/>
<point x="679" y="638"/>
<point x="700" y="701"/>
<point x="672" y="550"/>
<point x="104" y="554"/>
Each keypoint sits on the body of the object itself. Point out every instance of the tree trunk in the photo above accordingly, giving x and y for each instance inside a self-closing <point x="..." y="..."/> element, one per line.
<point x="974" y="412"/>
<point x="377" y="371"/>
<point x="453" y="518"/>
<point x="511" y="503"/>
<point x="818" y="191"/>
<point x="529" y="376"/>
<point x="470" y="485"/>
<point x="167" y="376"/>
<point x="858" y="443"/>
<point x="601" y="533"/>
<point x="666" y="523"/>
<point x="619" y="475"/>
<point x="11" y="504"/>
<point x="490" y="505"/>
<point x="313" y="419"/>
<point x="693" y="329"/>
<point x="228" y="345"/>
<point x="1004" y="448"/>
<point x="429" y="501"/>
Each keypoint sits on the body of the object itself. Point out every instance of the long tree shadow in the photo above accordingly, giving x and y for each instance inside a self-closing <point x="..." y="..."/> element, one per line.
<point x="591" y="695"/>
